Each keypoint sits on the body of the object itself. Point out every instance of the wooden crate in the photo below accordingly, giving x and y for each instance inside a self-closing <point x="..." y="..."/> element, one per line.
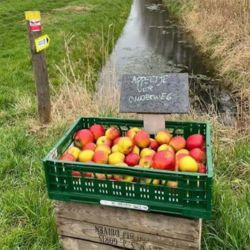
<point x="84" y="226"/>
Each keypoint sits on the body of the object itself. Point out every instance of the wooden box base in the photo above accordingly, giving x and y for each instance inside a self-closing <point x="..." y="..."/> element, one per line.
<point x="83" y="226"/>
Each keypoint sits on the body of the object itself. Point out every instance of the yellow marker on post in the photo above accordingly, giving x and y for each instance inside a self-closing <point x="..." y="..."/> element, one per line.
<point x="32" y="15"/>
<point x="42" y="42"/>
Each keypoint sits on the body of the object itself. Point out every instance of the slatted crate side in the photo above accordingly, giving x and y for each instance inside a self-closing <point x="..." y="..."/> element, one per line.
<point x="190" y="197"/>
<point x="126" y="228"/>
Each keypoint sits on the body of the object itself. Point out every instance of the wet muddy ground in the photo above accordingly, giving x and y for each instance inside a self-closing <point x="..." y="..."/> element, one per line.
<point x="153" y="42"/>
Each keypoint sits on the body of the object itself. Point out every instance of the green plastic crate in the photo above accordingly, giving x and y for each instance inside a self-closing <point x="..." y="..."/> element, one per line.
<point x="191" y="198"/>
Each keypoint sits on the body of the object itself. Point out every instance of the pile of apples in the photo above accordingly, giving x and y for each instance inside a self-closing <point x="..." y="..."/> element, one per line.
<point x="137" y="149"/>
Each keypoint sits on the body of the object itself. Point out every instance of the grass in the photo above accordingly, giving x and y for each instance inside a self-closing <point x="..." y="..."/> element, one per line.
<point x="82" y="35"/>
<point x="222" y="30"/>
<point x="83" y="29"/>
<point x="229" y="227"/>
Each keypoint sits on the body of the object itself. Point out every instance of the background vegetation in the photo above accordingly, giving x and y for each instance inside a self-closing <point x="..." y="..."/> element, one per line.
<point x="82" y="29"/>
<point x="222" y="31"/>
<point x="82" y="34"/>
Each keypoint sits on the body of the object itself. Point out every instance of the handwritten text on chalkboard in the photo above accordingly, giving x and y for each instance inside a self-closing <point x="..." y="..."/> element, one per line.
<point x="154" y="94"/>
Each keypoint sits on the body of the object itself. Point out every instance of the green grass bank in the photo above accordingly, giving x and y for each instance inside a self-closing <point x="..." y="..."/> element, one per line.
<point x="83" y="29"/>
<point x="221" y="30"/>
<point x="82" y="34"/>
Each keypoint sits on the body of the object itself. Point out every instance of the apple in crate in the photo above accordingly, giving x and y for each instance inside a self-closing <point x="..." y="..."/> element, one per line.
<point x="195" y="141"/>
<point x="116" y="158"/>
<point x="90" y="146"/>
<point x="166" y="147"/>
<point x="119" y="177"/>
<point x="88" y="174"/>
<point x="74" y="151"/>
<point x="164" y="160"/>
<point x="202" y="168"/>
<point x="106" y="149"/>
<point x="132" y="159"/>
<point x="114" y="148"/>
<point x="104" y="140"/>
<point x="125" y="145"/>
<point x="115" y="142"/>
<point x="172" y="184"/>
<point x="178" y="157"/>
<point x="67" y="157"/>
<point x="147" y="151"/>
<point x="163" y="137"/>
<point x="146" y="161"/>
<point x="177" y="142"/>
<point x="198" y="154"/>
<point x="76" y="173"/>
<point x="182" y="151"/>
<point x="83" y="137"/>
<point x="128" y="178"/>
<point x="100" y="157"/>
<point x="136" y="150"/>
<point x="132" y="132"/>
<point x="112" y="133"/>
<point x="86" y="155"/>
<point x="100" y="176"/>
<point x="97" y="130"/>
<point x="153" y="144"/>
<point x="142" y="139"/>
<point x="154" y="182"/>
<point x="188" y="164"/>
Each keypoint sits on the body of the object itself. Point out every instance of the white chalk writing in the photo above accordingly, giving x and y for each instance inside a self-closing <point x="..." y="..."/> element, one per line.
<point x="146" y="84"/>
<point x="150" y="97"/>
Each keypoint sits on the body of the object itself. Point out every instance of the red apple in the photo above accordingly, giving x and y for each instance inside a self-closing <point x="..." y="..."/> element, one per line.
<point x="198" y="154"/>
<point x="89" y="146"/>
<point x="132" y="132"/>
<point x="83" y="137"/>
<point x="202" y="168"/>
<point x="100" y="157"/>
<point x="97" y="130"/>
<point x="132" y="159"/>
<point x="76" y="173"/>
<point x="164" y="160"/>
<point x="195" y="141"/>
<point x="112" y="133"/>
<point x="117" y="178"/>
<point x="116" y="140"/>
<point x="100" y="176"/>
<point x="67" y="157"/>
<point x="153" y="144"/>
<point x="88" y="174"/>
<point x="142" y="139"/>
<point x="177" y="142"/>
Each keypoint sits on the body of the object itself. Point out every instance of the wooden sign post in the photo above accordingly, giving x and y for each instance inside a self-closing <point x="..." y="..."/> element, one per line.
<point x="154" y="96"/>
<point x="39" y="63"/>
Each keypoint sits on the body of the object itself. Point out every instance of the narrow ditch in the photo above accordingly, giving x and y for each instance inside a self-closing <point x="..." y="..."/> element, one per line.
<point x="153" y="42"/>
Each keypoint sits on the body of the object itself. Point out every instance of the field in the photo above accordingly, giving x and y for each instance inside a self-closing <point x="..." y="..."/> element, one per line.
<point x="82" y="34"/>
<point x="221" y="31"/>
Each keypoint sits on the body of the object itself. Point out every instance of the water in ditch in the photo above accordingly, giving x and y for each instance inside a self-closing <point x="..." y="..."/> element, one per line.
<point x="152" y="42"/>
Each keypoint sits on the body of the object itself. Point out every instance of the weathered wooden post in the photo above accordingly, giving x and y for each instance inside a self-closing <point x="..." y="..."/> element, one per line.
<point x="37" y="45"/>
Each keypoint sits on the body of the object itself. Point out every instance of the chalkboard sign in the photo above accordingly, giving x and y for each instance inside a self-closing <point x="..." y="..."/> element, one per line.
<point x="162" y="94"/>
